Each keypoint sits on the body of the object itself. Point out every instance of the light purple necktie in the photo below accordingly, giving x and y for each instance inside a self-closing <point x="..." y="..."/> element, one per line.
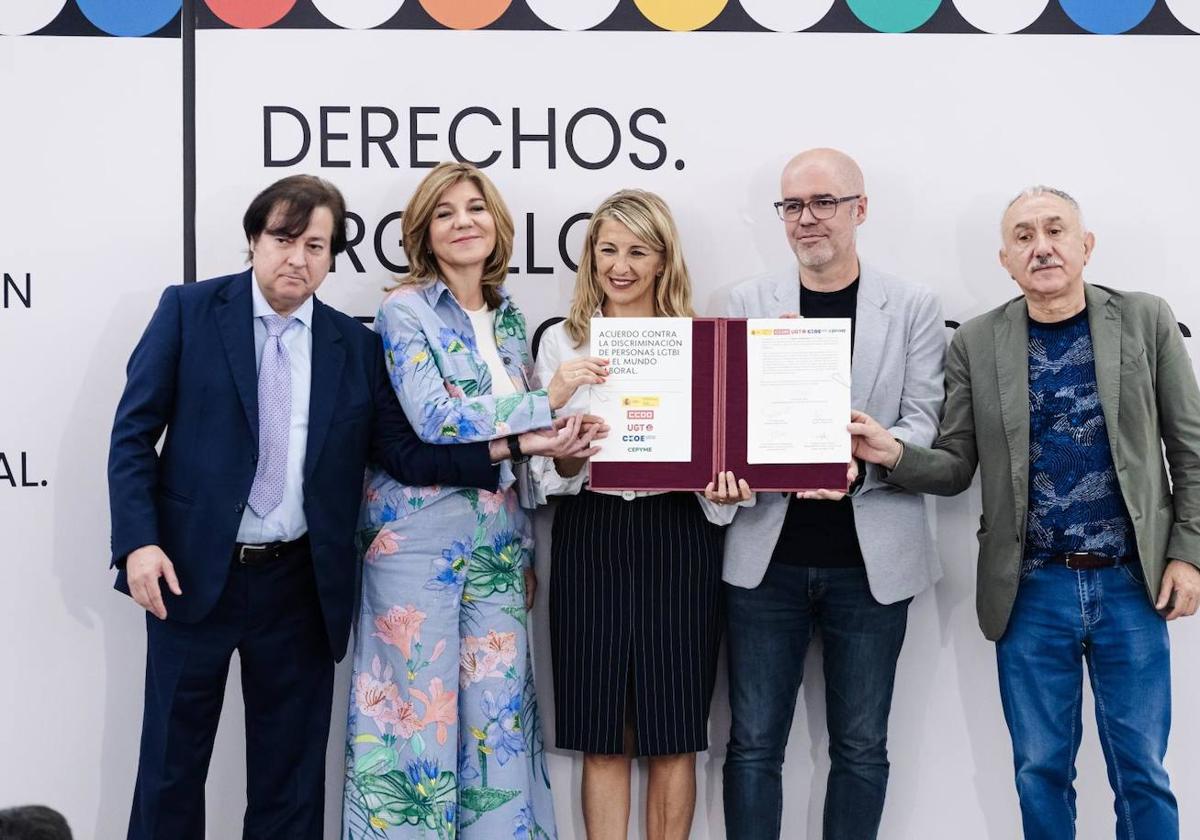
<point x="274" y="418"/>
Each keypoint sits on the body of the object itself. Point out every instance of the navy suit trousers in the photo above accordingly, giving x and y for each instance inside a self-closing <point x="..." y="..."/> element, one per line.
<point x="271" y="616"/>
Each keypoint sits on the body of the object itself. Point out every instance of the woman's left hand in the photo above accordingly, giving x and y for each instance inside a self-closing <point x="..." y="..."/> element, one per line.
<point x="572" y="375"/>
<point x="530" y="587"/>
<point x="570" y="437"/>
<point x="727" y="489"/>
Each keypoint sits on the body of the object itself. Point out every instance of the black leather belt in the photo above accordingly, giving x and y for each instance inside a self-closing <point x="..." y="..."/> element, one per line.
<point x="1087" y="560"/>
<point x="250" y="554"/>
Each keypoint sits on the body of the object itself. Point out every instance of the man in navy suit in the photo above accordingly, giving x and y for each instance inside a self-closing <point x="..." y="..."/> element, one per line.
<point x="240" y="534"/>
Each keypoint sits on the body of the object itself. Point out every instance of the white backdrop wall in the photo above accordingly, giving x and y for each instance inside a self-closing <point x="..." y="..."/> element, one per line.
<point x="947" y="128"/>
<point x="91" y="210"/>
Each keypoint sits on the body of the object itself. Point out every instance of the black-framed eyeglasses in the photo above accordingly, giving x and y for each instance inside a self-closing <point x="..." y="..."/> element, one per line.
<point x="822" y="207"/>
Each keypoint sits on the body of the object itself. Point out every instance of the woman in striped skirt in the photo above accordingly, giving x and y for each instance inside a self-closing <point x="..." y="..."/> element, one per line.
<point x="635" y="585"/>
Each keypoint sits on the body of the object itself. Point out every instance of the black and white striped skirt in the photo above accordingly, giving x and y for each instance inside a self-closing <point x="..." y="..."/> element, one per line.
<point x="635" y="617"/>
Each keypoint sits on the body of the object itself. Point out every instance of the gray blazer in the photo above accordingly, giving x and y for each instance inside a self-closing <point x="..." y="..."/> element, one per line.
<point x="896" y="377"/>
<point x="1150" y="402"/>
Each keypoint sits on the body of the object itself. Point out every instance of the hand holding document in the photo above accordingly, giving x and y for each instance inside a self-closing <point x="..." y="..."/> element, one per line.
<point x="727" y="489"/>
<point x="833" y="495"/>
<point x="798" y="390"/>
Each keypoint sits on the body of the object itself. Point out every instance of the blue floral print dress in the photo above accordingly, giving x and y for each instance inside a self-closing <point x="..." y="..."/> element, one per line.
<point x="444" y="739"/>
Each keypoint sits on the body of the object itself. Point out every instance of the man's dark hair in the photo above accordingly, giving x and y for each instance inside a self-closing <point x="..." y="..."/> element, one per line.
<point x="288" y="205"/>
<point x="33" y="822"/>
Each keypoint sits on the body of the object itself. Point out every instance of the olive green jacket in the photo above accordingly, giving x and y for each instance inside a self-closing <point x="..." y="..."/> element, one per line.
<point x="1151" y="405"/>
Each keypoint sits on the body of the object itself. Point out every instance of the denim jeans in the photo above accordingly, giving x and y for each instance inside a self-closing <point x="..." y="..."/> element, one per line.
<point x="1061" y="619"/>
<point x="770" y="627"/>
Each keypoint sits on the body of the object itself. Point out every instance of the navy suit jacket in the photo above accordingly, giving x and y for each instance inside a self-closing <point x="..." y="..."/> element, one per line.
<point x="194" y="374"/>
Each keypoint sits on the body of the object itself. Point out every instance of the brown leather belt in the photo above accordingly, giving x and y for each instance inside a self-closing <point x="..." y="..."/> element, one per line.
<point x="1087" y="560"/>
<point x="248" y="554"/>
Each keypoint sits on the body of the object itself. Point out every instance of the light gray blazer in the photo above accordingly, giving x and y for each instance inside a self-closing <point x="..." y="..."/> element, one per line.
<point x="896" y="377"/>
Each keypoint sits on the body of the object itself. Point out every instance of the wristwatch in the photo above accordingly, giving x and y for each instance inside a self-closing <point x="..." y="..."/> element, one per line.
<point x="514" y="450"/>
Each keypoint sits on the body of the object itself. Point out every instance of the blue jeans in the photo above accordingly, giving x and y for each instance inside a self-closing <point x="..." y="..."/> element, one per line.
<point x="1062" y="618"/>
<point x="769" y="630"/>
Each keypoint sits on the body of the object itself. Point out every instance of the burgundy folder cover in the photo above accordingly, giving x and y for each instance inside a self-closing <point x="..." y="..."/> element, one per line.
<point x="719" y="393"/>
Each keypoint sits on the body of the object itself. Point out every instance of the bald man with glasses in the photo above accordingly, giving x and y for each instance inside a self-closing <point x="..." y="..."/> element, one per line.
<point x="842" y="565"/>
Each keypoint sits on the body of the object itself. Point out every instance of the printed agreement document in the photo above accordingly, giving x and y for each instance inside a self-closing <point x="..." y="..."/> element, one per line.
<point x="798" y="381"/>
<point x="647" y="400"/>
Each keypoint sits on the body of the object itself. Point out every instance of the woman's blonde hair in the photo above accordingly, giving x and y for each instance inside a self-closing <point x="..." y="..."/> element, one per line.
<point x="649" y="219"/>
<point x="418" y="216"/>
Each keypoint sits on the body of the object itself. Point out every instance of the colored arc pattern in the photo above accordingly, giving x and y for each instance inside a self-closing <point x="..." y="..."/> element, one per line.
<point x="1107" y="18"/>
<point x="465" y="14"/>
<point x="893" y="15"/>
<point x="250" y="14"/>
<point x="681" y="15"/>
<point x="144" y="17"/>
<point x="130" y="18"/>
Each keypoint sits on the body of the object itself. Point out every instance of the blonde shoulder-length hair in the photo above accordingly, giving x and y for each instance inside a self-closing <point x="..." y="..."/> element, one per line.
<point x="418" y="215"/>
<point x="649" y="219"/>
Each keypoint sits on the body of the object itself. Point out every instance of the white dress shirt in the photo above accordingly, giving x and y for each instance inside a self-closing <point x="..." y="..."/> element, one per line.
<point x="285" y="522"/>
<point x="484" y="323"/>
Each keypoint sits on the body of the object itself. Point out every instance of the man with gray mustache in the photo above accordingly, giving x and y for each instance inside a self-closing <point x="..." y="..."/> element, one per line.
<point x="1066" y="398"/>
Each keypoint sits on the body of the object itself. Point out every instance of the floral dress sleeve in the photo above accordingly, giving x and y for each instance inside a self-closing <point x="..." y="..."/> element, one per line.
<point x="436" y="378"/>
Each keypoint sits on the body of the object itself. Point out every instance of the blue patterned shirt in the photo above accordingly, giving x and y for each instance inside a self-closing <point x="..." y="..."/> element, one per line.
<point x="1075" y="503"/>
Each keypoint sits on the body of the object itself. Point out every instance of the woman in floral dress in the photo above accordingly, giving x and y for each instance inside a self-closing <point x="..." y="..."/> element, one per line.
<point x="444" y="739"/>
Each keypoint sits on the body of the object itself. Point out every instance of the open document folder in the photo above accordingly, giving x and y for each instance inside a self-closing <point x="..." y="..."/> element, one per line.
<point x="768" y="399"/>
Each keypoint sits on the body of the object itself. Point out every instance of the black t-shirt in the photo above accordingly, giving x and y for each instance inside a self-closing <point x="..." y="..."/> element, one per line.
<point x="820" y="533"/>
